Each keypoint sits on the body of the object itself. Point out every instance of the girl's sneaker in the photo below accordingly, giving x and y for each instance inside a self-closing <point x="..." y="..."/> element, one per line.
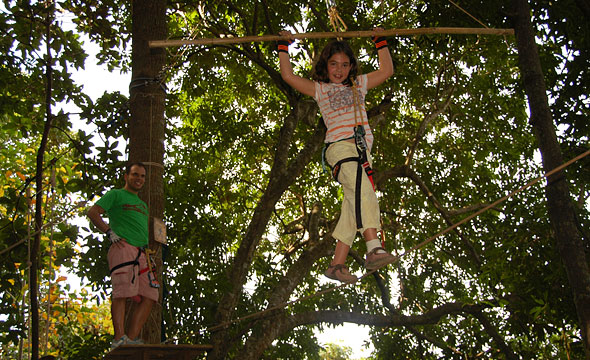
<point x="340" y="272"/>
<point x="378" y="258"/>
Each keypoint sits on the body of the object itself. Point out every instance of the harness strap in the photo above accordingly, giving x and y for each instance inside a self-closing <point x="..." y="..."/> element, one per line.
<point x="326" y="146"/>
<point x="363" y="163"/>
<point x="357" y="195"/>
<point x="359" y="178"/>
<point x="128" y="263"/>
<point x="151" y="275"/>
<point x="336" y="168"/>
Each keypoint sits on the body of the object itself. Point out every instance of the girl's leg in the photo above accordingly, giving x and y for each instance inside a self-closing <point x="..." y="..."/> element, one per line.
<point x="340" y="253"/>
<point x="376" y="255"/>
<point x="370" y="234"/>
<point x="337" y="270"/>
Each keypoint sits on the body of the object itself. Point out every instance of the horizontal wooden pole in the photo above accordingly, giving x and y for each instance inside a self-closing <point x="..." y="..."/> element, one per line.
<point x="323" y="35"/>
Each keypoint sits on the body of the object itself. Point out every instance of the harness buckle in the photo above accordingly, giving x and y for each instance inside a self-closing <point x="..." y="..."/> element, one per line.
<point x="359" y="138"/>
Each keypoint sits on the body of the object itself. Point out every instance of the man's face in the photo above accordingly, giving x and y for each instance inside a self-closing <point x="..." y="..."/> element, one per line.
<point x="135" y="179"/>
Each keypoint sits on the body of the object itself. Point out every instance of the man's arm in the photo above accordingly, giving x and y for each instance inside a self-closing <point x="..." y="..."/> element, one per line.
<point x="95" y="215"/>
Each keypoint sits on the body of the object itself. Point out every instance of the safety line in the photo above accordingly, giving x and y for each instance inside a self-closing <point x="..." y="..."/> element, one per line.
<point x="468" y="14"/>
<point x="479" y="212"/>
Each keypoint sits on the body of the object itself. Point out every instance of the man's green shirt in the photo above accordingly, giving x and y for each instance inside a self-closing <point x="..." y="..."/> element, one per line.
<point x="128" y="215"/>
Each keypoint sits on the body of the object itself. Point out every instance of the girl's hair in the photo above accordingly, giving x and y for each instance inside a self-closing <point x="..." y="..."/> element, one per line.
<point x="320" y="70"/>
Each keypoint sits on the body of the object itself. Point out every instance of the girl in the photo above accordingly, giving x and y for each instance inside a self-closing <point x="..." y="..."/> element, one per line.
<point x="340" y="93"/>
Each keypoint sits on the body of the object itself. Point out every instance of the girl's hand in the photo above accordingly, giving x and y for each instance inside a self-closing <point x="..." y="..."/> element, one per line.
<point x="288" y="35"/>
<point x="385" y="70"/>
<point x="283" y="44"/>
<point x="380" y="41"/>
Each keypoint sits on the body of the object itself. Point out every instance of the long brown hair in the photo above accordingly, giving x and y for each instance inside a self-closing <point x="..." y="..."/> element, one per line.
<point x="320" y="70"/>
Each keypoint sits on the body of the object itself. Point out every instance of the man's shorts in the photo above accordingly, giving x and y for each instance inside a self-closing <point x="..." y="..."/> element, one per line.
<point x="126" y="280"/>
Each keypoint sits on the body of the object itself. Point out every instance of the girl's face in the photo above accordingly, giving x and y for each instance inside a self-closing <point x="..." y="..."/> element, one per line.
<point x="338" y="68"/>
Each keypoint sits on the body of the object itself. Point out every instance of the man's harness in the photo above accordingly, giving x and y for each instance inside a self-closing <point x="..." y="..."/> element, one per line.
<point x="150" y="269"/>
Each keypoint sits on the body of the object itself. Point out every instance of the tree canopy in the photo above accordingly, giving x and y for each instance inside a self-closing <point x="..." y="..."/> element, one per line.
<point x="248" y="207"/>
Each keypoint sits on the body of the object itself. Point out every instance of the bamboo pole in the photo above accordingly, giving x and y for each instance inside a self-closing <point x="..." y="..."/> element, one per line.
<point x="322" y="35"/>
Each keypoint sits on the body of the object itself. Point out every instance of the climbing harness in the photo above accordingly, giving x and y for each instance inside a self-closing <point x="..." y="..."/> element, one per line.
<point x="363" y="164"/>
<point x="150" y="269"/>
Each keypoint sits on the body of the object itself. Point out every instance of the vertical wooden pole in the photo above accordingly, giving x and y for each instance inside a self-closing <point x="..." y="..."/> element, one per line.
<point x="146" y="127"/>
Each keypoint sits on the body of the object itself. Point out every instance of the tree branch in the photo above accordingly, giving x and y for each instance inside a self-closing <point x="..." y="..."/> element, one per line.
<point x="489" y="328"/>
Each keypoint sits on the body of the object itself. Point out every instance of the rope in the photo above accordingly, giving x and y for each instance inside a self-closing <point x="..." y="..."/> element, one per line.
<point x="160" y="78"/>
<point x="412" y="249"/>
<point x="479" y="212"/>
<point x="468" y="14"/>
<point x="27" y="270"/>
<point x="149" y="189"/>
<point x="335" y="20"/>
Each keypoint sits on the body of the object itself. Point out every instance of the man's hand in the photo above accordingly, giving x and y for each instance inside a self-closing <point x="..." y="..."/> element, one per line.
<point x="114" y="238"/>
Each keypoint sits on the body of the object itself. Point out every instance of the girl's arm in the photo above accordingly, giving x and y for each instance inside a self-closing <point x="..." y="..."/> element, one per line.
<point x="304" y="86"/>
<point x="385" y="70"/>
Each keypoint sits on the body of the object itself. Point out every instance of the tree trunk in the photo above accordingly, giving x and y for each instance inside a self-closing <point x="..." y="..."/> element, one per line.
<point x="560" y="207"/>
<point x="146" y="127"/>
<point x="282" y="176"/>
<point x="36" y="245"/>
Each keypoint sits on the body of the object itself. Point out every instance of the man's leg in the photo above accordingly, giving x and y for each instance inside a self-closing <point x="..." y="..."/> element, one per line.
<point x="140" y="316"/>
<point x="118" y="316"/>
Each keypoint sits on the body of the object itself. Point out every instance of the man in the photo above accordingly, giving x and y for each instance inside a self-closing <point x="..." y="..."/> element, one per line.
<point x="127" y="231"/>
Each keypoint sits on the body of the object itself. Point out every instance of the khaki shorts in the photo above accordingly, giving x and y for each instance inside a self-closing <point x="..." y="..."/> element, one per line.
<point x="126" y="280"/>
<point x="346" y="229"/>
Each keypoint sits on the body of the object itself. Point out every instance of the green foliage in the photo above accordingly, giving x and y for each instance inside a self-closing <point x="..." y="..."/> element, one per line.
<point x="69" y="172"/>
<point x="225" y="111"/>
<point x="335" y="352"/>
<point x="478" y="149"/>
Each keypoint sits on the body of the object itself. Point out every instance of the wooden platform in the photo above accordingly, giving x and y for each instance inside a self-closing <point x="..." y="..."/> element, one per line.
<point x="157" y="352"/>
